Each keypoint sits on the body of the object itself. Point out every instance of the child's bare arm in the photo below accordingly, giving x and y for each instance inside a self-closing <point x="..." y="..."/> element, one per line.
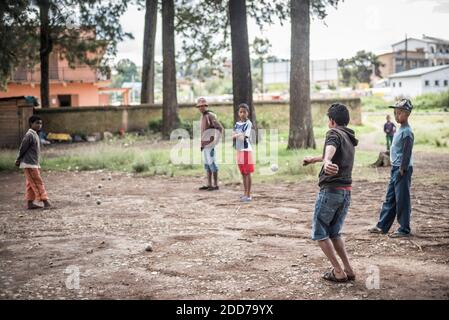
<point x="310" y="160"/>
<point x="329" y="167"/>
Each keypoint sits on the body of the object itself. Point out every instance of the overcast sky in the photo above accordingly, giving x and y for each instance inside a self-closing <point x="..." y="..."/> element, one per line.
<point x="371" y="25"/>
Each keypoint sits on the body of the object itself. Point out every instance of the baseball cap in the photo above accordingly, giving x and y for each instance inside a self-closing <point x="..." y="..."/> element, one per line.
<point x="404" y="104"/>
<point x="201" y="102"/>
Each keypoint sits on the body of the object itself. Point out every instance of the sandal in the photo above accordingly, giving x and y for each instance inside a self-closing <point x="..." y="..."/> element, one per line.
<point x="398" y="234"/>
<point x="204" y="188"/>
<point x="330" y="276"/>
<point x="376" y="230"/>
<point x="213" y="188"/>
<point x="34" y="207"/>
<point x="350" y="277"/>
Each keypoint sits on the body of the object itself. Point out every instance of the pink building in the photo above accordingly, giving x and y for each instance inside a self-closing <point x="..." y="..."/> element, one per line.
<point x="77" y="87"/>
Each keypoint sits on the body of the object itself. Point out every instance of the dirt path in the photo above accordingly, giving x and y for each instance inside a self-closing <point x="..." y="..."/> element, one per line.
<point x="208" y="245"/>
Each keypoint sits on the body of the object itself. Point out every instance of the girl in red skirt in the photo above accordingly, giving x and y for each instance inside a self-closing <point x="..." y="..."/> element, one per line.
<point x="242" y="137"/>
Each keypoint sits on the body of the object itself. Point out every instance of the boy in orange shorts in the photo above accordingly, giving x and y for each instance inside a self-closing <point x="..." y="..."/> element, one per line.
<point x="242" y="135"/>
<point x="28" y="159"/>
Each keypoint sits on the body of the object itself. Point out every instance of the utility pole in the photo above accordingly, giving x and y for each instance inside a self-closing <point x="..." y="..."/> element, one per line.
<point x="406" y="53"/>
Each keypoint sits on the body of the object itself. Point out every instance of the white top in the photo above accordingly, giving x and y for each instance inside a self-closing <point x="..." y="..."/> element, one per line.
<point x="245" y="128"/>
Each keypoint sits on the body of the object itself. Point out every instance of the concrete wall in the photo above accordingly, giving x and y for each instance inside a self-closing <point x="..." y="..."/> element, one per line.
<point x="86" y="120"/>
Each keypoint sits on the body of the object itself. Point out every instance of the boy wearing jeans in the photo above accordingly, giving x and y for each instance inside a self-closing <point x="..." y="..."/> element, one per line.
<point x="211" y="130"/>
<point x="335" y="180"/>
<point x="397" y="202"/>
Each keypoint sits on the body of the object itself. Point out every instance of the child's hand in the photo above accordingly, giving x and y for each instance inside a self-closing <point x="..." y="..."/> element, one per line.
<point x="330" y="168"/>
<point x="308" y="160"/>
<point x="17" y="163"/>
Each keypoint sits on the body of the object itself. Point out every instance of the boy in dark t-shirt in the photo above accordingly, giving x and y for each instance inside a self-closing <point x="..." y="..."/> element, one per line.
<point x="335" y="181"/>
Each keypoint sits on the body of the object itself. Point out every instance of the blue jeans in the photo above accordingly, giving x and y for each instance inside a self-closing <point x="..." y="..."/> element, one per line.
<point x="331" y="208"/>
<point x="397" y="202"/>
<point x="210" y="160"/>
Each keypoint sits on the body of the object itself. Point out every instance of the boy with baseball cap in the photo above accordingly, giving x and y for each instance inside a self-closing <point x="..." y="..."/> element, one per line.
<point x="397" y="202"/>
<point x="211" y="130"/>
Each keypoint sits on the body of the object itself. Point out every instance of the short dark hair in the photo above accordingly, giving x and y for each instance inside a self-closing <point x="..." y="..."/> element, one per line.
<point x="33" y="119"/>
<point x="244" y="106"/>
<point x="339" y="113"/>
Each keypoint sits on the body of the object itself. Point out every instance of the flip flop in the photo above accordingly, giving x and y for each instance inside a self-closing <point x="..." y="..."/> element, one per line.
<point x="34" y="207"/>
<point x="330" y="276"/>
<point x="350" y="278"/>
<point x="376" y="230"/>
<point x="398" y="234"/>
<point x="204" y="188"/>
<point x="212" y="188"/>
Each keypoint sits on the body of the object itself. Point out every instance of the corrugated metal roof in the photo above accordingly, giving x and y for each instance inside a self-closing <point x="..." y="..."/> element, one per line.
<point x="417" y="72"/>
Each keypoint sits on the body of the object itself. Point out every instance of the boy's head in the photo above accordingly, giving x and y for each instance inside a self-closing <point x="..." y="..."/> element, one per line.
<point x="35" y="123"/>
<point x="243" y="111"/>
<point x="338" y="115"/>
<point x="388" y="118"/>
<point x="202" y="105"/>
<point x="402" y="110"/>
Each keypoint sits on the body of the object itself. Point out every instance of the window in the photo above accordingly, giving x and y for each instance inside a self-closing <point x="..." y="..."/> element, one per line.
<point x="400" y="84"/>
<point x="437" y="83"/>
<point x="427" y="83"/>
<point x="394" y="84"/>
<point x="445" y="83"/>
<point x="65" y="100"/>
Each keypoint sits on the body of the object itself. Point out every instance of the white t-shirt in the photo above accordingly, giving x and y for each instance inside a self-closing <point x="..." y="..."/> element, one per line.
<point x="245" y="128"/>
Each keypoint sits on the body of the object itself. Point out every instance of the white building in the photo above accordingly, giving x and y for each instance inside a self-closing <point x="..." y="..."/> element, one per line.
<point x="435" y="50"/>
<point x="323" y="72"/>
<point x="419" y="81"/>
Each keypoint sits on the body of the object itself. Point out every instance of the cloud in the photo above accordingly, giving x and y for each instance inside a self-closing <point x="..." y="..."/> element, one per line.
<point x="439" y="6"/>
<point x="442" y="6"/>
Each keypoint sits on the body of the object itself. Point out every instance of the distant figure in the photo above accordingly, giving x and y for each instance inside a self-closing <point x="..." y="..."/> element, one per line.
<point x="397" y="203"/>
<point x="209" y="139"/>
<point x="389" y="129"/>
<point x="242" y="136"/>
<point x="28" y="159"/>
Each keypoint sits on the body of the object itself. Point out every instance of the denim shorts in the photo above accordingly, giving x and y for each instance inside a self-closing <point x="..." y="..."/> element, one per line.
<point x="331" y="208"/>
<point x="210" y="160"/>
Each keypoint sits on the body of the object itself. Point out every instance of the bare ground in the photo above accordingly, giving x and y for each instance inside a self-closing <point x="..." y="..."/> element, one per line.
<point x="209" y="246"/>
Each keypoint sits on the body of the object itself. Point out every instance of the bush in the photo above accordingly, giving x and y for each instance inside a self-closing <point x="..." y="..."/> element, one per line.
<point x="155" y="125"/>
<point x="187" y="125"/>
<point x="139" y="167"/>
<point x="375" y="103"/>
<point x="432" y="101"/>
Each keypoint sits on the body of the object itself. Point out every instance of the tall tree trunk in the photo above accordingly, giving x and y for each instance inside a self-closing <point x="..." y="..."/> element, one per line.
<point x="241" y="67"/>
<point x="45" y="50"/>
<point x="170" y="119"/>
<point x="301" y="128"/>
<point x="147" y="90"/>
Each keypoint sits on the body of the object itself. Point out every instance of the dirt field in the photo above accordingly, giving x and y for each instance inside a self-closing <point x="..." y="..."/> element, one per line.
<point x="208" y="245"/>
